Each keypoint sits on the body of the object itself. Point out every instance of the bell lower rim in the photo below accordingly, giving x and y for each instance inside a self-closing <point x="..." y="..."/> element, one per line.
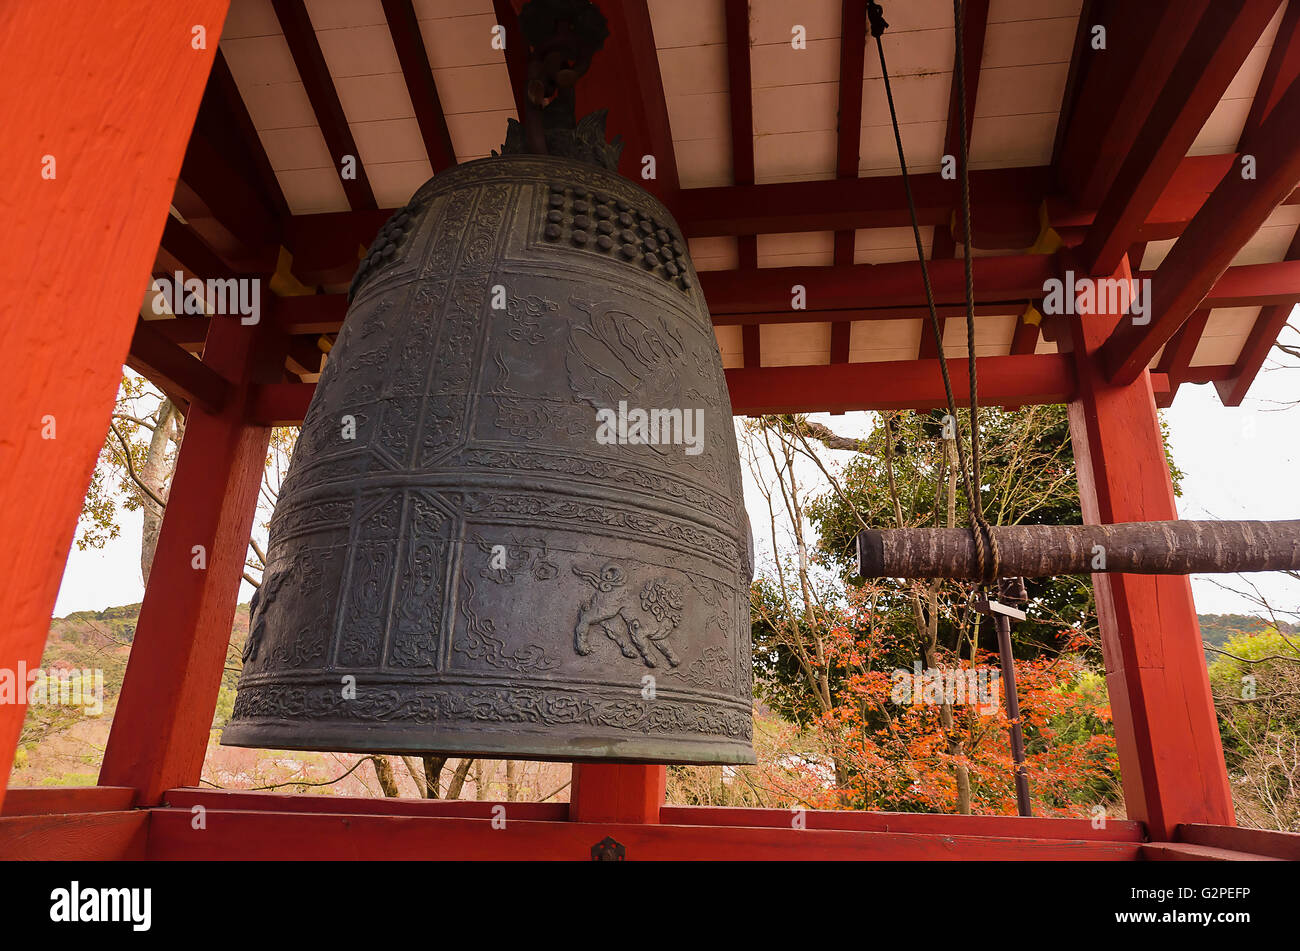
<point x="540" y="745"/>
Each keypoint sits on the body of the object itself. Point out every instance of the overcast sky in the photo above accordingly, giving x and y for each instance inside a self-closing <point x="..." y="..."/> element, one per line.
<point x="1238" y="463"/>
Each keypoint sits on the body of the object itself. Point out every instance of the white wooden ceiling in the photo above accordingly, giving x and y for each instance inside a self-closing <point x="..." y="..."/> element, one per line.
<point x="795" y="95"/>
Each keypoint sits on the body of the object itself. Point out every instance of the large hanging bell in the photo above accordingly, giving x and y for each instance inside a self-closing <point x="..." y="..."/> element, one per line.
<point x="513" y="523"/>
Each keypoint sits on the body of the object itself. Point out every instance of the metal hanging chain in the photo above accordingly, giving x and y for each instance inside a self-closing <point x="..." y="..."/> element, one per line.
<point x="986" y="551"/>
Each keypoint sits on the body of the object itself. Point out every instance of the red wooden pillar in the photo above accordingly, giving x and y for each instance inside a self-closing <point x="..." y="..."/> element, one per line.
<point x="160" y="729"/>
<point x="1170" y="754"/>
<point x="617" y="792"/>
<point x="96" y="104"/>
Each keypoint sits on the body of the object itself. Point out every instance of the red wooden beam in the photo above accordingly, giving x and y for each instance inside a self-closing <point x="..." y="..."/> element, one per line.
<point x="228" y="193"/>
<point x="924" y="823"/>
<point x="1178" y="353"/>
<point x="507" y="13"/>
<point x="1254" y="352"/>
<point x="1229" y="217"/>
<point x="1114" y="830"/>
<point x="1025" y="337"/>
<point x="1020" y="380"/>
<point x="1166" y="732"/>
<point x="325" y="836"/>
<point x="1177" y="356"/>
<point x="862" y="292"/>
<point x="930" y="344"/>
<point x="1225" y="35"/>
<point x="1280" y="845"/>
<point x="164" y="714"/>
<point x="617" y="792"/>
<point x="751" y="344"/>
<point x="183" y="246"/>
<point x="974" y="29"/>
<point x="328" y="247"/>
<point x="1005" y="203"/>
<point x="53" y="800"/>
<point x="1204" y="374"/>
<point x="325" y="246"/>
<point x="224" y="208"/>
<point x="624" y="78"/>
<point x="187" y="797"/>
<point x="176" y="372"/>
<point x="1263" y="334"/>
<point x="1280" y="70"/>
<point x="860" y="286"/>
<point x="181" y="249"/>
<point x="77" y="248"/>
<point x="1251" y="285"/>
<point x="188" y="333"/>
<point x="898" y="384"/>
<point x="315" y="75"/>
<point x="1116" y="87"/>
<point x="841" y="331"/>
<point x="409" y="43"/>
<point x="740" y="94"/>
<point x="853" y="47"/>
<point x="86" y="837"/>
<point x="224" y="111"/>
<point x="1083" y="31"/>
<point x="310" y="313"/>
<point x="975" y="19"/>
<point x="279" y="404"/>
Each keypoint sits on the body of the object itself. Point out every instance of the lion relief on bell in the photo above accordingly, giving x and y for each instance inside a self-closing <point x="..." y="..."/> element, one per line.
<point x="635" y="624"/>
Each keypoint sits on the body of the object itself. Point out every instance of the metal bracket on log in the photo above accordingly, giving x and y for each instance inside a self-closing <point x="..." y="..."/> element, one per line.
<point x="1038" y="551"/>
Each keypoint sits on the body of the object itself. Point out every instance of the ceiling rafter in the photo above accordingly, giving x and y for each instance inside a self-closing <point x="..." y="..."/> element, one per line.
<point x="944" y="244"/>
<point x="182" y="247"/>
<point x="1233" y="212"/>
<point x="1259" y="342"/>
<point x="1116" y="87"/>
<point x="625" y="79"/>
<point x="330" y="240"/>
<point x="1281" y="69"/>
<point x="315" y="75"/>
<point x="507" y="14"/>
<point x="1177" y="356"/>
<point x="740" y="95"/>
<point x="869" y="292"/>
<point x="177" y="372"/>
<point x="404" y="28"/>
<point x="223" y="207"/>
<point x="1224" y="36"/>
<point x="853" y="62"/>
<point x="225" y="105"/>
<point x="900" y="384"/>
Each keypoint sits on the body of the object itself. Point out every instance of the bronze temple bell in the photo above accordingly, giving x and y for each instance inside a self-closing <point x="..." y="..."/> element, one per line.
<point x="513" y="523"/>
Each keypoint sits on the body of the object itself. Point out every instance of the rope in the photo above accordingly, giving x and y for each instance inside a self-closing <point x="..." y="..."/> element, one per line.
<point x="977" y="514"/>
<point x="986" y="549"/>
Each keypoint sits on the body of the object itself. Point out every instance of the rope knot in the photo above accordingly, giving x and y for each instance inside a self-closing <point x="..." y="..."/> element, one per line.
<point x="876" y="16"/>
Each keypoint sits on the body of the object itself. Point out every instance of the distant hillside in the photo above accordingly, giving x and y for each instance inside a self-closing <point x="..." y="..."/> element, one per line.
<point x="59" y="746"/>
<point x="1216" y="629"/>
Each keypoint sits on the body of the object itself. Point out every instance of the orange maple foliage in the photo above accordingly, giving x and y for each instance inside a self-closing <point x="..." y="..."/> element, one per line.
<point x="897" y="756"/>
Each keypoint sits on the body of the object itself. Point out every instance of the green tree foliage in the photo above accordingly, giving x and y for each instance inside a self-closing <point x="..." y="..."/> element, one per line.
<point x="1256" y="684"/>
<point x="824" y="638"/>
<point x="1029" y="478"/>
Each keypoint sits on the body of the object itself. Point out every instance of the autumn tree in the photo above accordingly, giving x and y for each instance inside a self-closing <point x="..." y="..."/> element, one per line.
<point x="826" y="642"/>
<point x="1255" y="679"/>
